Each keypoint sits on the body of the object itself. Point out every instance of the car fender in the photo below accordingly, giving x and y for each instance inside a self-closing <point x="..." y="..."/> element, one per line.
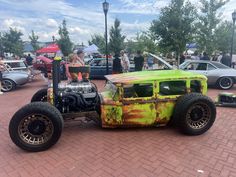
<point x="19" y="78"/>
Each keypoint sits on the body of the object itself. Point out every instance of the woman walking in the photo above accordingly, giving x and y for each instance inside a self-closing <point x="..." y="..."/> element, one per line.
<point x="116" y="67"/>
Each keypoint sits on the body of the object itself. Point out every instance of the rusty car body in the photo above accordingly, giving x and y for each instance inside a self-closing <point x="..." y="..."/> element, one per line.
<point x="142" y="98"/>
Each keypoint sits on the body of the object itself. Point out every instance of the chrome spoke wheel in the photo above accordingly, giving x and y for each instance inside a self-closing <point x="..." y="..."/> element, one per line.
<point x="35" y="129"/>
<point x="198" y="115"/>
<point x="226" y="83"/>
<point x="7" y="85"/>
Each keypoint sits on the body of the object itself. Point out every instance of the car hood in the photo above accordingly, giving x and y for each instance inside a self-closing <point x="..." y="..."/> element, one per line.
<point x="162" y="61"/>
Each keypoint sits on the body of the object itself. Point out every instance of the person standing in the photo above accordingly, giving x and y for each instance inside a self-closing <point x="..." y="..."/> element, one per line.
<point x="29" y="60"/>
<point x="116" y="66"/>
<point x="205" y="57"/>
<point x="182" y="59"/>
<point x="124" y="62"/>
<point x="1" y="70"/>
<point x="138" y="61"/>
<point x="195" y="56"/>
<point x="226" y="60"/>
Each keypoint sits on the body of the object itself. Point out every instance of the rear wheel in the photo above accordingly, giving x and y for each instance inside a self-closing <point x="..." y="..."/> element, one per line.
<point x="8" y="85"/>
<point x="194" y="113"/>
<point x="40" y="96"/>
<point x="225" y="83"/>
<point x="36" y="127"/>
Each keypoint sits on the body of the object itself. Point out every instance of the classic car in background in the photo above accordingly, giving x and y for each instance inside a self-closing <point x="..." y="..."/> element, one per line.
<point x="98" y="67"/>
<point x="44" y="65"/>
<point x="12" y="79"/>
<point x="20" y="65"/>
<point x="218" y="74"/>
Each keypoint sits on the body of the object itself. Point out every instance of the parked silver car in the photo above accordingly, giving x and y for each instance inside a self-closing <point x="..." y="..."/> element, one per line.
<point x="12" y="79"/>
<point x="19" y="65"/>
<point x="218" y="74"/>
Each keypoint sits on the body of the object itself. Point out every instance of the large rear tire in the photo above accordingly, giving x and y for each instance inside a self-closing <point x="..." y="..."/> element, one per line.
<point x="40" y="96"/>
<point x="36" y="127"/>
<point x="194" y="113"/>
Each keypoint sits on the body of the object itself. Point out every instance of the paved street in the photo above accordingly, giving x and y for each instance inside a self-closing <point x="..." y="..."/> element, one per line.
<point x="87" y="150"/>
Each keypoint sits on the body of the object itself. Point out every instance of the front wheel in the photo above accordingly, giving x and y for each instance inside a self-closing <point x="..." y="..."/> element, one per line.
<point x="225" y="83"/>
<point x="40" y="96"/>
<point x="8" y="85"/>
<point x="194" y="113"/>
<point x="36" y="127"/>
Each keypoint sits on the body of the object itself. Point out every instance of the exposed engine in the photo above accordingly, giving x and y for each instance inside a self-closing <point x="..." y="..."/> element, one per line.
<point x="77" y="97"/>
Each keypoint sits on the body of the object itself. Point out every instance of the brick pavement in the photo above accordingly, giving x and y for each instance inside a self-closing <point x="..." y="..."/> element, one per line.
<point x="87" y="150"/>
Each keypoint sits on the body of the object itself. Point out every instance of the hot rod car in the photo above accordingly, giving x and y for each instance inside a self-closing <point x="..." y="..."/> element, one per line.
<point x="137" y="99"/>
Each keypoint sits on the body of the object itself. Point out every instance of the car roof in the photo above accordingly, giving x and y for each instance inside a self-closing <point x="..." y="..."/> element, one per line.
<point x="215" y="63"/>
<point x="12" y="61"/>
<point x="146" y="76"/>
<point x="201" y="61"/>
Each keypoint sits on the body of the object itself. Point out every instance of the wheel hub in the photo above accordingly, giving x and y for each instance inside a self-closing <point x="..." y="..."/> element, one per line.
<point x="36" y="127"/>
<point x="196" y="114"/>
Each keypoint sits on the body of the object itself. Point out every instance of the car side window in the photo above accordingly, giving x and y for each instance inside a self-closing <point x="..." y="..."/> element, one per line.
<point x="210" y="67"/>
<point x="197" y="66"/>
<point x="195" y="86"/>
<point x="138" y="90"/>
<point x="202" y="66"/>
<point x="172" y="88"/>
<point x="191" y="66"/>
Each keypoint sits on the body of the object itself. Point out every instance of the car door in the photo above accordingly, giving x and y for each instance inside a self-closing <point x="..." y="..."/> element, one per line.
<point x="168" y="93"/>
<point x="138" y="104"/>
<point x="96" y="68"/>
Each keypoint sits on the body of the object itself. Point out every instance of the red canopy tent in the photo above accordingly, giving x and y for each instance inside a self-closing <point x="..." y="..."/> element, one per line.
<point x="51" y="48"/>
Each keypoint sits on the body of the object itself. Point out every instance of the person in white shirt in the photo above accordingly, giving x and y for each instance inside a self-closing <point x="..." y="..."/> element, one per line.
<point x="124" y="62"/>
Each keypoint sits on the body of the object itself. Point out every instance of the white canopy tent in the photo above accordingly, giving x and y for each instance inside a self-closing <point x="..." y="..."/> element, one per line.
<point x="91" y="49"/>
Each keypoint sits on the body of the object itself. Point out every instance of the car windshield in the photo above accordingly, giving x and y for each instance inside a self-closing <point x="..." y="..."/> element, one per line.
<point x="111" y="88"/>
<point x="220" y="66"/>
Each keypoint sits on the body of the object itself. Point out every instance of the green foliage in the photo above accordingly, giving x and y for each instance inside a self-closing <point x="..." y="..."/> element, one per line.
<point x="208" y="21"/>
<point x="143" y="42"/>
<point x="116" y="43"/>
<point x="223" y="36"/>
<point x="64" y="42"/>
<point x="34" y="40"/>
<point x="12" y="42"/>
<point x="99" y="41"/>
<point x="1" y="45"/>
<point x="175" y="27"/>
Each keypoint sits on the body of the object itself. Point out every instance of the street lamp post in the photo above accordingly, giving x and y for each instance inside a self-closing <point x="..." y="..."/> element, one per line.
<point x="232" y="43"/>
<point x="105" y="6"/>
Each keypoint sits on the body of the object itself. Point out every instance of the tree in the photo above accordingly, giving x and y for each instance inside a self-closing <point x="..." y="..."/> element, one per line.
<point x="208" y="21"/>
<point x="64" y="42"/>
<point x="34" y="40"/>
<point x="116" y="43"/>
<point x="174" y="29"/>
<point x="99" y="41"/>
<point x="143" y="42"/>
<point x="1" y="45"/>
<point x="223" y="35"/>
<point x="12" y="42"/>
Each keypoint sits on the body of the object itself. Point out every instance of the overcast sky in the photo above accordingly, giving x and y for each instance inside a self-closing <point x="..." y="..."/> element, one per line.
<point x="84" y="17"/>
